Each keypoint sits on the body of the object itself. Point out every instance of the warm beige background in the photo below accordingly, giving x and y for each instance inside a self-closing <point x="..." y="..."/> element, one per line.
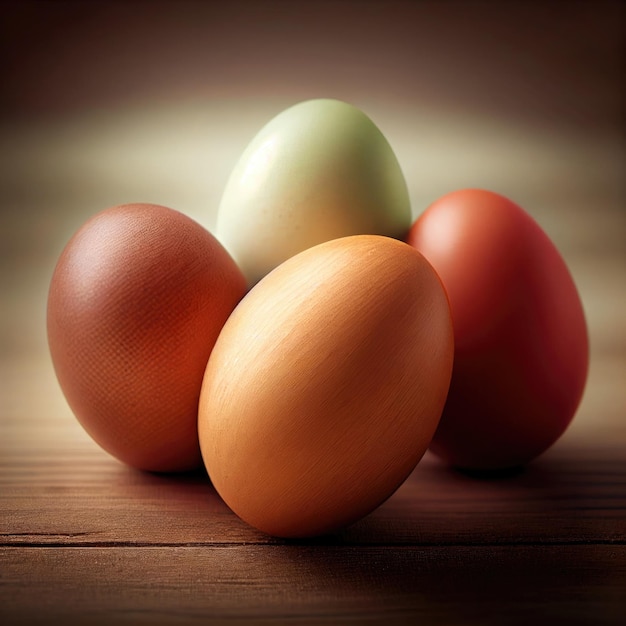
<point x="105" y="103"/>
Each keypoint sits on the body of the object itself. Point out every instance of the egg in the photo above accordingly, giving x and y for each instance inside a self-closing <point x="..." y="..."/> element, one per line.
<point x="136" y="302"/>
<point x="521" y="344"/>
<point x="326" y="385"/>
<point x="317" y="171"/>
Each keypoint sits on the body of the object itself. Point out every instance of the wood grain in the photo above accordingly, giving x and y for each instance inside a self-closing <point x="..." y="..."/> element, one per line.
<point x="566" y="498"/>
<point x="315" y="584"/>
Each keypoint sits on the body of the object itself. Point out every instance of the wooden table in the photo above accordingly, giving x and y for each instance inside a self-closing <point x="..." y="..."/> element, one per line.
<point x="120" y="106"/>
<point x="87" y="540"/>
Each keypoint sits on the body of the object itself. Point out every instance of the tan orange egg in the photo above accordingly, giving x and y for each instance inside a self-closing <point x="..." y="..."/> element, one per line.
<point x="136" y="302"/>
<point x="326" y="385"/>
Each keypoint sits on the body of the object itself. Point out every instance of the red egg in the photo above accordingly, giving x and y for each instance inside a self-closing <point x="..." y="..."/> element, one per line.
<point x="521" y="345"/>
<point x="136" y="302"/>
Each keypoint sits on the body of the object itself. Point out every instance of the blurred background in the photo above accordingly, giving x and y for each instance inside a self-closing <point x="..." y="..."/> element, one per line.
<point x="103" y="103"/>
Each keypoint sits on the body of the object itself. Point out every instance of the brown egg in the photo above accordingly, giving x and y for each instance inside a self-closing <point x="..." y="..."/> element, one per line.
<point x="136" y="302"/>
<point x="326" y="385"/>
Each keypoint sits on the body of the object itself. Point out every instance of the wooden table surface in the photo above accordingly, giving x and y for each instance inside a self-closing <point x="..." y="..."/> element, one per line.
<point x="87" y="540"/>
<point x="109" y="107"/>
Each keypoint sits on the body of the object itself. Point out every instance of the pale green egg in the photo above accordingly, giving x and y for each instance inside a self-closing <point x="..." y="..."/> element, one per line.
<point x="318" y="171"/>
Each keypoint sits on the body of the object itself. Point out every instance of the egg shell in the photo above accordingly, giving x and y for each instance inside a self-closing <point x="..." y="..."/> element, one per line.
<point x="326" y="385"/>
<point x="521" y="344"/>
<point x="135" y="305"/>
<point x="317" y="171"/>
